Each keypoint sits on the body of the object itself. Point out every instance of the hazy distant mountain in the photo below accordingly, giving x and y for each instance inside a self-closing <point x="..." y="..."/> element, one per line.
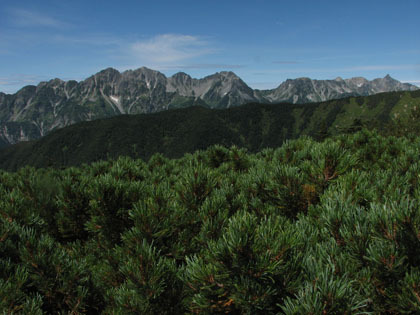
<point x="304" y="90"/>
<point x="34" y="111"/>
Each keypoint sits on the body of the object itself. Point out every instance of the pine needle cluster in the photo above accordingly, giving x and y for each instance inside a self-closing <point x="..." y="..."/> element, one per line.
<point x="328" y="227"/>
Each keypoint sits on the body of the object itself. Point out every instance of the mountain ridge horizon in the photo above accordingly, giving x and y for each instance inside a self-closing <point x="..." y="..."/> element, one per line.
<point x="338" y="78"/>
<point x="34" y="111"/>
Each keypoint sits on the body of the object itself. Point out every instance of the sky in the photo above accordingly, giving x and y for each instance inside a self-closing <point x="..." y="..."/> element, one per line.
<point x="264" y="42"/>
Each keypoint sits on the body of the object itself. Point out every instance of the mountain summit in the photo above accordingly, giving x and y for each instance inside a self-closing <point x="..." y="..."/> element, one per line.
<point x="305" y="90"/>
<point x="34" y="111"/>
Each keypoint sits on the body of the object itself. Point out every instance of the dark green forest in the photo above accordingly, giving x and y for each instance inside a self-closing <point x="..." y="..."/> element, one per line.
<point x="310" y="227"/>
<point x="176" y="132"/>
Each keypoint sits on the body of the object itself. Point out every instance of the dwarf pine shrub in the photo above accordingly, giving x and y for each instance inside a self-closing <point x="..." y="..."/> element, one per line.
<point x="307" y="228"/>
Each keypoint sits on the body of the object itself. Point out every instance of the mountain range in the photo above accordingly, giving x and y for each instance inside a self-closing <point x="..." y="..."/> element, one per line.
<point x="34" y="111"/>
<point x="253" y="126"/>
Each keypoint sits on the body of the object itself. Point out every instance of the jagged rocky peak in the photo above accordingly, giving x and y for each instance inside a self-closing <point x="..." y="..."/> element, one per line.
<point x="144" y="90"/>
<point x="108" y="72"/>
<point x="180" y="78"/>
<point x="108" y="75"/>
<point x="182" y="84"/>
<point x="232" y="84"/>
<point x="148" y="76"/>
<point x="144" y="73"/>
<point x="356" y="81"/>
<point x="228" y="74"/>
<point x="29" y="90"/>
<point x="223" y="75"/>
<point x="387" y="80"/>
<point x="51" y="83"/>
<point x="229" y="80"/>
<point x="303" y="90"/>
<point x="390" y="84"/>
<point x="56" y="81"/>
<point x="180" y="75"/>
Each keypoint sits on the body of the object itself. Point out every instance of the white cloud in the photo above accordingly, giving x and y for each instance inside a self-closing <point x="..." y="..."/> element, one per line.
<point x="415" y="82"/>
<point x="25" y="18"/>
<point x="167" y="49"/>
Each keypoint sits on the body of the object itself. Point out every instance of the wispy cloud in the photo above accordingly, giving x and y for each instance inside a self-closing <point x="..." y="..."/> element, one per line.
<point x="26" y="18"/>
<point x="160" y="52"/>
<point x="167" y="49"/>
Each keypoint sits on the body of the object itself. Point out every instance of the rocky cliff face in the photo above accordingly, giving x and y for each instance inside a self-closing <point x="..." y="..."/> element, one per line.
<point x="304" y="90"/>
<point x="220" y="90"/>
<point x="36" y="110"/>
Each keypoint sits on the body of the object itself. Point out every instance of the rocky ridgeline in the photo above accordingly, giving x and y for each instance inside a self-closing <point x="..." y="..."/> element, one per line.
<point x="34" y="111"/>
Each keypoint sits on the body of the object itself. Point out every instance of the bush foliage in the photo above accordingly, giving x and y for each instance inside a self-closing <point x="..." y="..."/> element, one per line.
<point x="328" y="227"/>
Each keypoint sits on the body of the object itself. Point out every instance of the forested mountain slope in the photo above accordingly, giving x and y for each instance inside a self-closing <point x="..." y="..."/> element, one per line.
<point x="176" y="132"/>
<point x="34" y="111"/>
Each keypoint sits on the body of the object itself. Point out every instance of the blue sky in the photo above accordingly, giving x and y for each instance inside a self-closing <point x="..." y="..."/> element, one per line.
<point x="264" y="42"/>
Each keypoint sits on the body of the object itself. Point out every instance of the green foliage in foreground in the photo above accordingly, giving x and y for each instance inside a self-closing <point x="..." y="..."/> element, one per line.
<point x="308" y="228"/>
